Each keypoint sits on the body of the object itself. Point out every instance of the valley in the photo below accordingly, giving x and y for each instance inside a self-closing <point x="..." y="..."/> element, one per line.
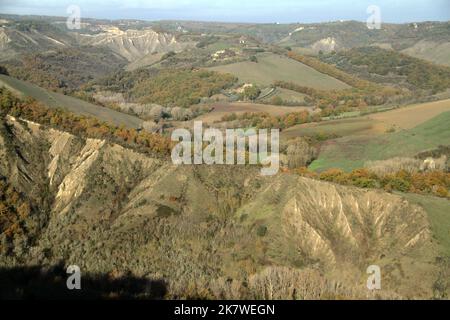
<point x="87" y="178"/>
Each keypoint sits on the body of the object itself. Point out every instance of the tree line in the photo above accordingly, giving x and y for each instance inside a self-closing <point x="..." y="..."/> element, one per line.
<point x="84" y="126"/>
<point x="436" y="182"/>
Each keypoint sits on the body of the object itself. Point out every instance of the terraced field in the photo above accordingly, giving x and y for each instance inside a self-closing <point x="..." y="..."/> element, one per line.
<point x="57" y="100"/>
<point x="271" y="67"/>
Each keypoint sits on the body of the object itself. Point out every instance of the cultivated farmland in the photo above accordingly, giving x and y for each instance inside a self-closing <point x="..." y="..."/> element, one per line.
<point x="377" y="123"/>
<point x="352" y="152"/>
<point x="272" y="67"/>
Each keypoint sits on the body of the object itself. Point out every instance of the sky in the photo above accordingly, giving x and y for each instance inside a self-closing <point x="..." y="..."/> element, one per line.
<point x="267" y="11"/>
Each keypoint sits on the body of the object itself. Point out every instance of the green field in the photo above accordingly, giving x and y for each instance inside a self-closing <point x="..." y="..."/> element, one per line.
<point x="57" y="100"/>
<point x="272" y="67"/>
<point x="352" y="152"/>
<point x="438" y="210"/>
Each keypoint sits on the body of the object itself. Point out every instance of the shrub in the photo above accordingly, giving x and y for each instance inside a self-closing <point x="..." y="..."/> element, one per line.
<point x="261" y="231"/>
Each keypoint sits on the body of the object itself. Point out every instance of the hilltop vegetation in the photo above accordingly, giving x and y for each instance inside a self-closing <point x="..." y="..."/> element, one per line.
<point x="416" y="72"/>
<point x="348" y="34"/>
<point x="168" y="87"/>
<point x="436" y="183"/>
<point x="65" y="70"/>
<point x="60" y="101"/>
<point x="89" y="127"/>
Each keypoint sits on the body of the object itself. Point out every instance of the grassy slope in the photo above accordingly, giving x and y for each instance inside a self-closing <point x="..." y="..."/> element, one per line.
<point x="56" y="100"/>
<point x="438" y="210"/>
<point x="432" y="51"/>
<point x="352" y="123"/>
<point x="289" y="95"/>
<point x="353" y="151"/>
<point x="271" y="67"/>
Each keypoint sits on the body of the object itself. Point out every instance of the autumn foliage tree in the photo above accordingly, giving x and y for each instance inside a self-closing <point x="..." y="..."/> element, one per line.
<point x="84" y="126"/>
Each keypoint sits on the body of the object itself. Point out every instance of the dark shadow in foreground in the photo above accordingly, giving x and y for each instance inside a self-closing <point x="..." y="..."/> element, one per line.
<point x="50" y="283"/>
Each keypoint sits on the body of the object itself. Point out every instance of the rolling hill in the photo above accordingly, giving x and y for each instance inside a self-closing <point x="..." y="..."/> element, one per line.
<point x="432" y="51"/>
<point x="65" y="69"/>
<point x="374" y="124"/>
<point x="351" y="152"/>
<point x="75" y="191"/>
<point x="111" y="209"/>
<point x="77" y="106"/>
<point x="391" y="67"/>
<point x="132" y="40"/>
<point x="271" y="68"/>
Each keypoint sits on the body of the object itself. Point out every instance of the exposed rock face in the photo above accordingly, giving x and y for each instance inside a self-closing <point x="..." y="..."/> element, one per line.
<point x="326" y="45"/>
<point x="112" y="209"/>
<point x="130" y="44"/>
<point x="13" y="42"/>
<point x="134" y="44"/>
<point x="4" y="39"/>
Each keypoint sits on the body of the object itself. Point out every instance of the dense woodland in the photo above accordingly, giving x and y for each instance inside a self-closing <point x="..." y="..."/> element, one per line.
<point x="266" y="121"/>
<point x="65" y="70"/>
<point x="169" y="88"/>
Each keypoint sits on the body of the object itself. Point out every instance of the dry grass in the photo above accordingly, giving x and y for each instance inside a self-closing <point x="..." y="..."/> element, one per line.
<point x="408" y="117"/>
<point x="375" y="124"/>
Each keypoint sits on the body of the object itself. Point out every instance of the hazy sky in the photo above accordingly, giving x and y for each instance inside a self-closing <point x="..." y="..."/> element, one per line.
<point x="238" y="10"/>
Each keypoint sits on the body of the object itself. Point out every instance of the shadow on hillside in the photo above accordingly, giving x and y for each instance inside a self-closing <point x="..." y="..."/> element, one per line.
<point x="38" y="283"/>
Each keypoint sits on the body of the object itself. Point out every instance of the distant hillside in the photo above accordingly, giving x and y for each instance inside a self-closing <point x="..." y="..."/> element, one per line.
<point x="77" y="106"/>
<point x="333" y="35"/>
<point x="352" y="152"/>
<point x="271" y="68"/>
<point x="65" y="69"/>
<point x="133" y="44"/>
<point x="167" y="87"/>
<point x="350" y="34"/>
<point x="389" y="66"/>
<point x="434" y="51"/>
<point x="131" y="41"/>
<point x="28" y="36"/>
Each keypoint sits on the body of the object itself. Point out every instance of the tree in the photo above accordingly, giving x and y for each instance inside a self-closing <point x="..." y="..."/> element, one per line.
<point x="254" y="59"/>
<point x="300" y="153"/>
<point x="3" y="70"/>
<point x="251" y="93"/>
<point x="156" y="113"/>
<point x="277" y="100"/>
